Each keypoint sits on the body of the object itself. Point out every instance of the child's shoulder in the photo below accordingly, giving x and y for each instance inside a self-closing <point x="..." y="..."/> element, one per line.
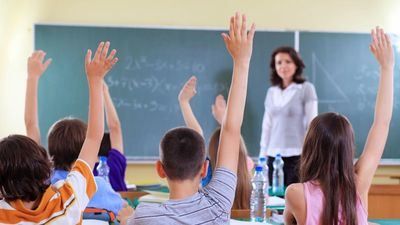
<point x="294" y="192"/>
<point x="295" y="188"/>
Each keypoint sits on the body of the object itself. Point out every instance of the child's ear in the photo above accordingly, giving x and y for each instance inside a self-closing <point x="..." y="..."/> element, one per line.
<point x="204" y="169"/>
<point x="160" y="169"/>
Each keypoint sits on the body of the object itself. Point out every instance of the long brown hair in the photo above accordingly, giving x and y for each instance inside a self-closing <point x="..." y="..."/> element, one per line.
<point x="243" y="186"/>
<point x="327" y="159"/>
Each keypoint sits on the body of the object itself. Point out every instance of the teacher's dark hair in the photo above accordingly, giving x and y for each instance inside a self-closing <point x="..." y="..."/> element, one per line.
<point x="298" y="75"/>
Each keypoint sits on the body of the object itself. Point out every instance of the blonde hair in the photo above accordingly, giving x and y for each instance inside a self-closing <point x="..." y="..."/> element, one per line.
<point x="243" y="186"/>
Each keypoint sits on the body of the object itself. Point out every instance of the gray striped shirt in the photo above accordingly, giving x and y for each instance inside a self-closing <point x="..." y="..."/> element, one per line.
<point x="210" y="205"/>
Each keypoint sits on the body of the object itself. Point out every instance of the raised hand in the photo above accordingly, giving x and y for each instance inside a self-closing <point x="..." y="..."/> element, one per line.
<point x="368" y="161"/>
<point x="382" y="49"/>
<point x="188" y="90"/>
<point x="101" y="63"/>
<point x="218" y="108"/>
<point x="36" y="66"/>
<point x="239" y="42"/>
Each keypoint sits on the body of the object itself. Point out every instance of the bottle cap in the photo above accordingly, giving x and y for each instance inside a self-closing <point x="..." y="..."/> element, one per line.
<point x="259" y="168"/>
<point x="103" y="158"/>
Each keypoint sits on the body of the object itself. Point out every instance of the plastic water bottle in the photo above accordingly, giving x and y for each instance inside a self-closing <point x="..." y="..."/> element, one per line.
<point x="263" y="162"/>
<point x="102" y="169"/>
<point x="258" y="203"/>
<point x="277" y="176"/>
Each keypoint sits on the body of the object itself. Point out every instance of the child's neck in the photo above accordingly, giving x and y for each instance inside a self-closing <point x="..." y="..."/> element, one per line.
<point x="32" y="205"/>
<point x="183" y="189"/>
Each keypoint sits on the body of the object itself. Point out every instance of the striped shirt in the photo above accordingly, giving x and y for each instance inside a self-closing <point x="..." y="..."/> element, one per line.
<point x="62" y="203"/>
<point x="210" y="205"/>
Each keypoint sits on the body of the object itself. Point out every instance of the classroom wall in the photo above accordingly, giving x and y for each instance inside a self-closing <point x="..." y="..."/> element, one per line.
<point x="18" y="16"/>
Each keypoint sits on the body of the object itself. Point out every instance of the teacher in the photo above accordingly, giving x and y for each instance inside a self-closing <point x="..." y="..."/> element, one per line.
<point x="290" y="105"/>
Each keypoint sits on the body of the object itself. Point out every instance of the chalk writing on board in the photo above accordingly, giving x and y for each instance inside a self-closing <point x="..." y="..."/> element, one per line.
<point x="146" y="63"/>
<point x="153" y="84"/>
<point x="150" y="83"/>
<point x="138" y="105"/>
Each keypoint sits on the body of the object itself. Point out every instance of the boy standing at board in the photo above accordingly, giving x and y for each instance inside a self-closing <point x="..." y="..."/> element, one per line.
<point x="182" y="154"/>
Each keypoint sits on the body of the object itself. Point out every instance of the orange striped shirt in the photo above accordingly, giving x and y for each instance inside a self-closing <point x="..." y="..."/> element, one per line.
<point x="62" y="203"/>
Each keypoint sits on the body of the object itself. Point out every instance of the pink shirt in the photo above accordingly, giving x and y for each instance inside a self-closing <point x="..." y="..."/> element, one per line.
<point x="314" y="202"/>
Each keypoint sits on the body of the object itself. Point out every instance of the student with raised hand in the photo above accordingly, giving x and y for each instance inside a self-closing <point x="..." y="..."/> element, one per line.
<point x="25" y="168"/>
<point x="112" y="145"/>
<point x="65" y="138"/>
<point x="36" y="67"/>
<point x="182" y="153"/>
<point x="218" y="110"/>
<point x="243" y="187"/>
<point x="187" y="92"/>
<point x="332" y="190"/>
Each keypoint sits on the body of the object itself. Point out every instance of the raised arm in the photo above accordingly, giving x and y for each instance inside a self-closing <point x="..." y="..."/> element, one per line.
<point x="113" y="123"/>
<point x="239" y="43"/>
<point x="96" y="69"/>
<point x="185" y="95"/>
<point x="218" y="108"/>
<point x="368" y="162"/>
<point x="36" y="67"/>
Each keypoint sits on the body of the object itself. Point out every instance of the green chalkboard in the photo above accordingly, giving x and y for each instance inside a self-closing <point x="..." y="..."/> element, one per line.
<point x="154" y="64"/>
<point x="346" y="78"/>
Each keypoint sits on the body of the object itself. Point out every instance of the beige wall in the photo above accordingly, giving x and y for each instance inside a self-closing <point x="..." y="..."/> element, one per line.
<point x="18" y="16"/>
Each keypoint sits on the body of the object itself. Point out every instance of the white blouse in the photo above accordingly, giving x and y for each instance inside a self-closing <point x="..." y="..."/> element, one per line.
<point x="285" y="121"/>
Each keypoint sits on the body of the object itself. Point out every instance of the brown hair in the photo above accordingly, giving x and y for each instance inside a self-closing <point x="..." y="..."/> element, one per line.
<point x="243" y="186"/>
<point x="65" y="140"/>
<point x="327" y="159"/>
<point x="298" y="78"/>
<point x="25" y="169"/>
<point x="182" y="153"/>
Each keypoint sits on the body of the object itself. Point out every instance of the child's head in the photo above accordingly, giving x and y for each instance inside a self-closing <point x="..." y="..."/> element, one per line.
<point x="105" y="145"/>
<point x="328" y="148"/>
<point x="65" y="140"/>
<point x="182" y="154"/>
<point x="243" y="187"/>
<point x="25" y="169"/>
<point x="327" y="158"/>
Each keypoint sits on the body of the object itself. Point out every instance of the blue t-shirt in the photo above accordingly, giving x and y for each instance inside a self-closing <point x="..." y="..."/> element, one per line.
<point x="105" y="197"/>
